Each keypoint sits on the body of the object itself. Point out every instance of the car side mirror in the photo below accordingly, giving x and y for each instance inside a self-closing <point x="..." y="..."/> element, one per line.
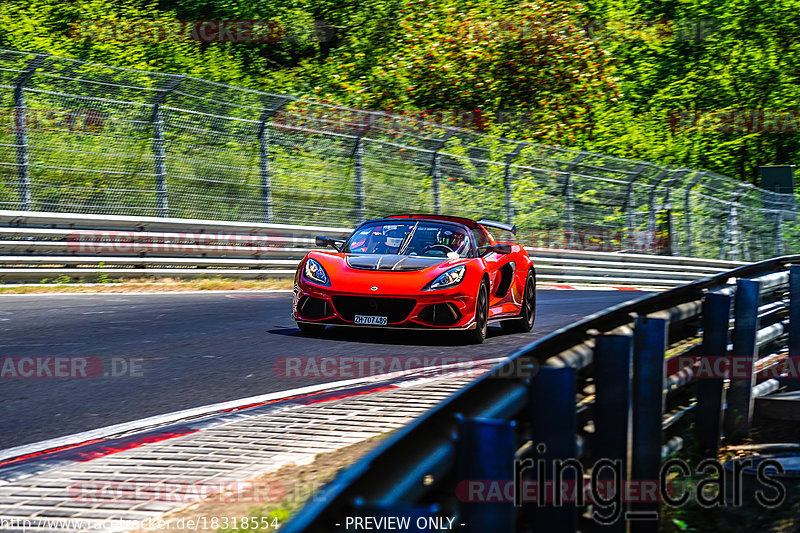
<point x="502" y="248"/>
<point x="322" y="240"/>
<point x="499" y="248"/>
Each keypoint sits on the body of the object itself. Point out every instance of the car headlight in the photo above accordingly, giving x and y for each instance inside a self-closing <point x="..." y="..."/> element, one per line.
<point x="314" y="271"/>
<point x="448" y="279"/>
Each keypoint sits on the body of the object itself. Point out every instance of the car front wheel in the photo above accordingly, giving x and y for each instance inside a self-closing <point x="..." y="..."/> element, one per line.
<point x="527" y="314"/>
<point x="478" y="334"/>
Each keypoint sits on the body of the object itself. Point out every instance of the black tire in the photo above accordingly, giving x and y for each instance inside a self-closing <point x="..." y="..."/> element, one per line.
<point x="478" y="335"/>
<point x="306" y="327"/>
<point x="527" y="315"/>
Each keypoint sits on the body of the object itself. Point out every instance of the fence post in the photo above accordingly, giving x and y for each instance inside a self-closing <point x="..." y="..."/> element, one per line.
<point x="649" y="347"/>
<point x="485" y="451"/>
<point x="266" y="182"/>
<point x="732" y="232"/>
<point x="159" y="147"/>
<point x="740" y="392"/>
<point x="263" y="159"/>
<point x="669" y="250"/>
<point x="358" y="168"/>
<point x="612" y="414"/>
<point x="688" y="212"/>
<point x="651" y="217"/>
<point x="21" y="122"/>
<point x="629" y="206"/>
<point x="553" y="427"/>
<point x="710" y="391"/>
<point x="569" y="193"/>
<point x="436" y="173"/>
<point x="794" y="327"/>
<point x="778" y="232"/>
<point x="508" y="184"/>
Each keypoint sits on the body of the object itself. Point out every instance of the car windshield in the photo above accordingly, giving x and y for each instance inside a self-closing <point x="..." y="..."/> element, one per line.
<point x="421" y="238"/>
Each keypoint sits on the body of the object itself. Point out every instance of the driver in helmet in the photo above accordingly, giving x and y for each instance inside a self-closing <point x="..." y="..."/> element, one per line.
<point x="454" y="240"/>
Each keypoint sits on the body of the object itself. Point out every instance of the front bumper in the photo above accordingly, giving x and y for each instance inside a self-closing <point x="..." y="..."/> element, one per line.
<point x="448" y="309"/>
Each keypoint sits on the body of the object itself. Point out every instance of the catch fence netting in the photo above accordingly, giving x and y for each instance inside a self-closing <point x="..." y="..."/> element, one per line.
<point x="87" y="138"/>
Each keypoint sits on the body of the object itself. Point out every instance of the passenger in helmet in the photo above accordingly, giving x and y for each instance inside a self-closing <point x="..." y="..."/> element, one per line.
<point x="394" y="238"/>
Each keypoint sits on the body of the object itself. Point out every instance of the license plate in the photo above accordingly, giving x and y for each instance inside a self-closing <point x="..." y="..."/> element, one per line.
<point x="368" y="320"/>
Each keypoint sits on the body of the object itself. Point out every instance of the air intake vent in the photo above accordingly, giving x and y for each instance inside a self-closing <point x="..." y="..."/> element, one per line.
<point x="395" y="309"/>
<point x="440" y="314"/>
<point x="314" y="308"/>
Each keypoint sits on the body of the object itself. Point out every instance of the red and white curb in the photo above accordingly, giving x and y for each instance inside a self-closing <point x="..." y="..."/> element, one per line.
<point x="118" y="478"/>
<point x="593" y="287"/>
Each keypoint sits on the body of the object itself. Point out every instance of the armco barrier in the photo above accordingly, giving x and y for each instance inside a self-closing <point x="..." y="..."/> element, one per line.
<point x="623" y="385"/>
<point x="36" y="245"/>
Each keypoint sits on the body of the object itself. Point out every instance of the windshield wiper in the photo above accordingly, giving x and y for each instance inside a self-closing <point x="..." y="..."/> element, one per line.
<point x="407" y="240"/>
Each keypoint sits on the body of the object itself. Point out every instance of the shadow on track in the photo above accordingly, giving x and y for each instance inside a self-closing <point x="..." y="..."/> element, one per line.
<point x="398" y="337"/>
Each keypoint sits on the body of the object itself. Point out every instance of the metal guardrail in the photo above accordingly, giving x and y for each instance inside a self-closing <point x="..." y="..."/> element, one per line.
<point x="45" y="245"/>
<point x="623" y="385"/>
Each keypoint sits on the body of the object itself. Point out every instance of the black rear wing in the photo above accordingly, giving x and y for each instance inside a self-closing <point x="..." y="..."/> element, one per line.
<point x="499" y="225"/>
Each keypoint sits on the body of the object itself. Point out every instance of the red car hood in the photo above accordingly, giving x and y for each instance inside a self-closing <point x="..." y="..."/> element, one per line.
<point x="394" y="262"/>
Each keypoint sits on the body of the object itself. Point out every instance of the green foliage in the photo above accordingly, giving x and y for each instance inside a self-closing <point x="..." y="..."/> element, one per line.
<point x="721" y="56"/>
<point x="616" y="76"/>
<point x="76" y="30"/>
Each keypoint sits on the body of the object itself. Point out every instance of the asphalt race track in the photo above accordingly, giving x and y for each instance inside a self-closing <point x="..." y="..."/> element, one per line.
<point x="188" y="350"/>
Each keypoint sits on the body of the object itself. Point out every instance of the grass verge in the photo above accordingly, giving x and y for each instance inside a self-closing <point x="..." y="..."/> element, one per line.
<point x="151" y="285"/>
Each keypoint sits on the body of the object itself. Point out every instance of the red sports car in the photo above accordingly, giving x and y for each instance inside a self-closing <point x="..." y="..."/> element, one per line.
<point x="417" y="272"/>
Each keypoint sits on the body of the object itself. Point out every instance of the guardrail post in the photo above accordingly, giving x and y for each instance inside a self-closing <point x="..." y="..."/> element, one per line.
<point x="740" y="392"/>
<point x="21" y="129"/>
<point x="793" y="383"/>
<point x="159" y="147"/>
<point x="436" y="173"/>
<point x="485" y="454"/>
<point x="553" y="420"/>
<point x="264" y="160"/>
<point x="612" y="413"/>
<point x="569" y="193"/>
<point x="710" y="391"/>
<point x="649" y="347"/>
<point x="508" y="183"/>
